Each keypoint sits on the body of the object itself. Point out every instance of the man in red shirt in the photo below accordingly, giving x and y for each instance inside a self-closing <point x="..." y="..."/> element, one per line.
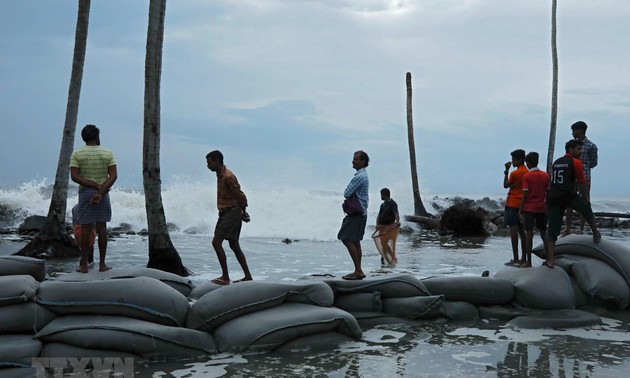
<point x="533" y="205"/>
<point x="515" y="182"/>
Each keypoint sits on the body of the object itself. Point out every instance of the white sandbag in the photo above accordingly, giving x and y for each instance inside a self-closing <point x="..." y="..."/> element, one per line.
<point x="614" y="254"/>
<point x="268" y="329"/>
<point x="142" y="298"/>
<point x="540" y="287"/>
<point x="459" y="310"/>
<point x="134" y="336"/>
<point x="418" y="307"/>
<point x="390" y="286"/>
<point x="17" y="289"/>
<point x="18" y="350"/>
<point x="25" y="318"/>
<point x="598" y="280"/>
<point x="359" y="302"/>
<point x="229" y="302"/>
<point x="23" y="265"/>
<point x="60" y="350"/>
<point x="485" y="291"/>
<point x="557" y="319"/>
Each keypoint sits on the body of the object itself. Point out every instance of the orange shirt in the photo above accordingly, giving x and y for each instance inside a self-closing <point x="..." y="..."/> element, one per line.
<point x="229" y="193"/>
<point x="516" y="187"/>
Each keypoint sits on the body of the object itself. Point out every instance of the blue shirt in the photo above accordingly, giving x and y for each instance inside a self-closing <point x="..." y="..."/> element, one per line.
<point x="589" y="157"/>
<point x="359" y="185"/>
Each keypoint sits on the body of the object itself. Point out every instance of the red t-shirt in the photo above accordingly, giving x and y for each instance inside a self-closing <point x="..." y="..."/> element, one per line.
<point x="536" y="183"/>
<point x="516" y="187"/>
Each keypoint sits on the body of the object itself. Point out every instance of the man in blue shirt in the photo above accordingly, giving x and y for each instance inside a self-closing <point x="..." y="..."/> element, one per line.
<point x="353" y="225"/>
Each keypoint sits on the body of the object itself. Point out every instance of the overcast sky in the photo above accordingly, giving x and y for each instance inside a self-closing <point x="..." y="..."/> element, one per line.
<point x="288" y="90"/>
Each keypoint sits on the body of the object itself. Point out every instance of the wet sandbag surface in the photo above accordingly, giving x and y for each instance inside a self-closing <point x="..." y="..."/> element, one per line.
<point x="557" y="319"/>
<point x="142" y="298"/>
<point x="419" y="307"/>
<point x="390" y="286"/>
<point x="268" y="329"/>
<point x="486" y="291"/>
<point x="146" y="339"/>
<point x="23" y="265"/>
<point x="540" y="287"/>
<point x="231" y="301"/>
<point x="18" y="350"/>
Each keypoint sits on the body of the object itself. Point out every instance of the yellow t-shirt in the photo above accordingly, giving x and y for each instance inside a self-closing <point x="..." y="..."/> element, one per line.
<point x="93" y="162"/>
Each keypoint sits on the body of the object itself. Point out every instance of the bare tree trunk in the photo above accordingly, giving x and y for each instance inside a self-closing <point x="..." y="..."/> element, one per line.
<point x="162" y="253"/>
<point x="417" y="200"/>
<point x="554" y="89"/>
<point x="53" y="240"/>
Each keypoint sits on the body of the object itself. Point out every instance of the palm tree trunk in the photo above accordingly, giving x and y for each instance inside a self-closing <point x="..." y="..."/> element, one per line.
<point x="53" y="240"/>
<point x="417" y="200"/>
<point x="554" y="88"/>
<point x="162" y="253"/>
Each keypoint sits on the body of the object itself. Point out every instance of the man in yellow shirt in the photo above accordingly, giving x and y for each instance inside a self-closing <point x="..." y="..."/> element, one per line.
<point x="94" y="169"/>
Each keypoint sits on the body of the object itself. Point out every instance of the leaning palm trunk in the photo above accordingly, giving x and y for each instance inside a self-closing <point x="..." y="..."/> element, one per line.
<point x="417" y="200"/>
<point x="162" y="253"/>
<point x="554" y="89"/>
<point x="53" y="240"/>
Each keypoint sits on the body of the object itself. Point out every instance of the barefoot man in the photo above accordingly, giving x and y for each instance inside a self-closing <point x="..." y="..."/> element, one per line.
<point x="565" y="173"/>
<point x="94" y="169"/>
<point x="231" y="202"/>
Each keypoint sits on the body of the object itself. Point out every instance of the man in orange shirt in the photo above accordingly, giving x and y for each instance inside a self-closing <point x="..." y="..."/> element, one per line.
<point x="533" y="205"/>
<point x="515" y="183"/>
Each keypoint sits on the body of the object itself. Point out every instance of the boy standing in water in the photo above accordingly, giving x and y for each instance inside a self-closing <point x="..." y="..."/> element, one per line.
<point x="515" y="183"/>
<point x="566" y="172"/>
<point x="387" y="217"/>
<point x="533" y="207"/>
<point x="231" y="203"/>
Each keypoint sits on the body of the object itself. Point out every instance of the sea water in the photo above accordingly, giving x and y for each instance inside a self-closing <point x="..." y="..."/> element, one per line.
<point x="310" y="220"/>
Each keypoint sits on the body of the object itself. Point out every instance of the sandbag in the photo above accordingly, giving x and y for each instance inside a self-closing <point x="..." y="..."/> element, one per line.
<point x="360" y="302"/>
<point x="541" y="287"/>
<point x="598" y="280"/>
<point x="419" y="307"/>
<point x="142" y="298"/>
<point x="23" y="265"/>
<point x="390" y="286"/>
<point x="60" y="350"/>
<point x="181" y="284"/>
<point x="17" y="289"/>
<point x="557" y="319"/>
<point x="459" y="310"/>
<point x="485" y="291"/>
<point x="134" y="336"/>
<point x="268" y="329"/>
<point x="202" y="289"/>
<point x="229" y="302"/>
<point x="614" y="254"/>
<point x="27" y="317"/>
<point x="17" y="372"/>
<point x="18" y="350"/>
<point x="505" y="312"/>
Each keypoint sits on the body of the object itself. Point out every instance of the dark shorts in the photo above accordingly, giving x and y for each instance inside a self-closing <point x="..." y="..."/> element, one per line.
<point x="229" y="224"/>
<point x="352" y="228"/>
<point x="557" y="203"/>
<point x="510" y="217"/>
<point x="88" y="212"/>
<point x="539" y="219"/>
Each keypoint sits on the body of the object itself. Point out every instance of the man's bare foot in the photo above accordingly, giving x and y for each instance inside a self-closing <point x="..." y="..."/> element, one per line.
<point x="565" y="232"/>
<point x="83" y="269"/>
<point x="103" y="267"/>
<point x="596" y="236"/>
<point x="221" y="281"/>
<point x="244" y="279"/>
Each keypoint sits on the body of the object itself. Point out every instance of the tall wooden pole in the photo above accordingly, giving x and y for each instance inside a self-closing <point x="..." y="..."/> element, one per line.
<point x="417" y="200"/>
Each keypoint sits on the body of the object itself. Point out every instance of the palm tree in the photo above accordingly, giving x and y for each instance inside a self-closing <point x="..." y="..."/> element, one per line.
<point x="53" y="240"/>
<point x="162" y="253"/>
<point x="554" y="89"/>
<point x="417" y="201"/>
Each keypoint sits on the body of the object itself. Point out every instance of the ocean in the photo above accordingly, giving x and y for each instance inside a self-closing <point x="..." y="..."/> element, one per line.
<point x="310" y="219"/>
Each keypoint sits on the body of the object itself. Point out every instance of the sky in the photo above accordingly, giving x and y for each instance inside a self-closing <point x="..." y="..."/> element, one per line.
<point x="288" y="90"/>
